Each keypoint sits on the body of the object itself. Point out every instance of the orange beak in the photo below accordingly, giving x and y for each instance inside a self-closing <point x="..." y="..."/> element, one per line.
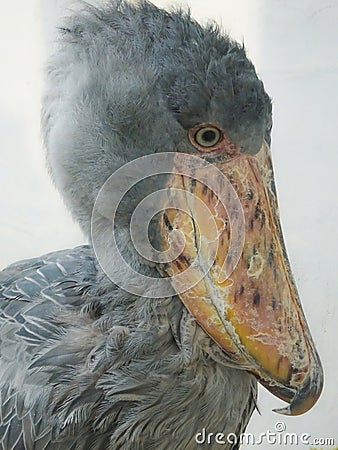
<point x="253" y="313"/>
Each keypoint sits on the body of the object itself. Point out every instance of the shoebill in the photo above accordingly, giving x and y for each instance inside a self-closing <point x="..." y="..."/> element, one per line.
<point x="89" y="364"/>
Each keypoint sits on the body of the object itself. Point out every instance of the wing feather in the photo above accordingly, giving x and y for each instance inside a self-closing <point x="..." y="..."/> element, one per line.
<point x="32" y="293"/>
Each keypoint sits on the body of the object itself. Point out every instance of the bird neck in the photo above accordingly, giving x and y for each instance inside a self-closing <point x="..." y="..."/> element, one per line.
<point x="172" y="371"/>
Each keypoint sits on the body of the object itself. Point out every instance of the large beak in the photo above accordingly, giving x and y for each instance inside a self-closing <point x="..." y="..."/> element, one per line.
<point x="254" y="313"/>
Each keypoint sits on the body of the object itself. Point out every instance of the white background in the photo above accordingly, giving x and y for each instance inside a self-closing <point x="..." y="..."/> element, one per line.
<point x="294" y="47"/>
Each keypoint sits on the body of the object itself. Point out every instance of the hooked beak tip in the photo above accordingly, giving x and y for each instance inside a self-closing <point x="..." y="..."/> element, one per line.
<point x="307" y="394"/>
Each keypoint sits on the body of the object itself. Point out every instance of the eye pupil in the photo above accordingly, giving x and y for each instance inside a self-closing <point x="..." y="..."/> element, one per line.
<point x="209" y="136"/>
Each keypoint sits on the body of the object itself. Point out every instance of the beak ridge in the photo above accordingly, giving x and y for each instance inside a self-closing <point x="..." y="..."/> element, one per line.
<point x="254" y="312"/>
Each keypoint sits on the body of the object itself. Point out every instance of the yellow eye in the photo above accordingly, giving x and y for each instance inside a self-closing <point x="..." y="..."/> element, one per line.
<point x="208" y="136"/>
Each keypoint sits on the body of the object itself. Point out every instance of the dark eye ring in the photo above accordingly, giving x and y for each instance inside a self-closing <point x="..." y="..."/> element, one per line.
<point x="208" y="136"/>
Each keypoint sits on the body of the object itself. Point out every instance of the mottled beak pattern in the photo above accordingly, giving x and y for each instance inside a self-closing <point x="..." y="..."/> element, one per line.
<point x="254" y="313"/>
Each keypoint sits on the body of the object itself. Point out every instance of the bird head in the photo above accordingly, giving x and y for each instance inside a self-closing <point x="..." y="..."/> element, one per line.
<point x="130" y="81"/>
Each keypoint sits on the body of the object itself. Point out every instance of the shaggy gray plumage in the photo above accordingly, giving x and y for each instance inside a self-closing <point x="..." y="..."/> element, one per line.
<point x="85" y="365"/>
